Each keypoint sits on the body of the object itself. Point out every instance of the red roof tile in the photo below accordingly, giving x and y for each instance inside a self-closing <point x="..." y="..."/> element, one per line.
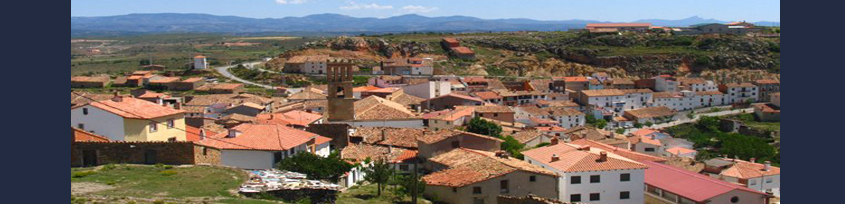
<point x="135" y="108"/>
<point x="80" y="135"/>
<point x="696" y="187"/>
<point x="621" y="152"/>
<point x="261" y="137"/>
<point x="572" y="159"/>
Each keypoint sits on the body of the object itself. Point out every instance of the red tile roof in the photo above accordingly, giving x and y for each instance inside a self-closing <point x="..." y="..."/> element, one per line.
<point x="262" y="137"/>
<point x="135" y="108"/>
<point x="296" y="117"/>
<point x="461" y="96"/>
<point x="463" y="50"/>
<point x="576" y="79"/>
<point x="437" y="136"/>
<point x="619" y="151"/>
<point x="572" y="159"/>
<point x="487" y="95"/>
<point x="451" y="40"/>
<point x="746" y="170"/>
<point x="693" y="186"/>
<point x="80" y="135"/>
<point x="473" y="166"/>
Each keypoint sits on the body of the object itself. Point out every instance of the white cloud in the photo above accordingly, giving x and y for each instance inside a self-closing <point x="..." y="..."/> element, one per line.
<point x="351" y="5"/>
<point x="291" y="1"/>
<point x="418" y="9"/>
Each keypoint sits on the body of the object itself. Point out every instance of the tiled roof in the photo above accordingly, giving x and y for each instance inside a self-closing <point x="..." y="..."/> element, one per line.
<point x="407" y="100"/>
<point x="135" y="108"/>
<point x="690" y="185"/>
<point x="739" y="85"/>
<point x="460" y="96"/>
<point x="360" y="152"/>
<point x="450" y="40"/>
<point x="377" y="108"/>
<point x="80" y="135"/>
<point x="746" y="170"/>
<point x="631" y="91"/>
<point x="622" y="81"/>
<point x="767" y="81"/>
<point x="364" y="88"/>
<point x="463" y="50"/>
<point x="307" y="95"/>
<point x="102" y="79"/>
<point x="487" y="95"/>
<point x="691" y="80"/>
<point x="575" y="79"/>
<point x="574" y="160"/>
<point x="493" y="109"/>
<point x="295" y="117"/>
<point x="163" y="80"/>
<point x="603" y="92"/>
<point x="705" y="93"/>
<point x="261" y="137"/>
<point x="451" y="115"/>
<point x="226" y="86"/>
<point x="472" y="166"/>
<point x="679" y="150"/>
<point x="767" y="108"/>
<point x="437" y="136"/>
<point x="650" y="112"/>
<point x="528" y="135"/>
<point x="564" y="111"/>
<point x="537" y="120"/>
<point x="387" y="136"/>
<point x="619" y="151"/>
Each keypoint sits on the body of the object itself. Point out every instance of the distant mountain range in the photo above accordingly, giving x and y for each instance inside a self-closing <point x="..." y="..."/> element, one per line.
<point x="330" y="23"/>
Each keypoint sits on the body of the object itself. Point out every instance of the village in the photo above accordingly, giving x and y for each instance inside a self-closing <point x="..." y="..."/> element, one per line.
<point x="592" y="138"/>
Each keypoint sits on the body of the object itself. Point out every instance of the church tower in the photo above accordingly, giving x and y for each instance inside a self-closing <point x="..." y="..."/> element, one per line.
<point x="341" y="102"/>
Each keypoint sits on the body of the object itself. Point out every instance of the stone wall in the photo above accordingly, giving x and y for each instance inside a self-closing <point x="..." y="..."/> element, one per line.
<point x="173" y="153"/>
<point x="530" y="199"/>
<point x="338" y="132"/>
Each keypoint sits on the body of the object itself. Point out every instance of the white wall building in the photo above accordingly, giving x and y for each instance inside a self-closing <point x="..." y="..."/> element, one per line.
<point x="200" y="62"/>
<point x="600" y="177"/>
<point x="737" y="93"/>
<point x="432" y="89"/>
<point x="665" y="83"/>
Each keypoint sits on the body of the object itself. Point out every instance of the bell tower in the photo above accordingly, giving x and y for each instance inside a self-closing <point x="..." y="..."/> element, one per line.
<point x="340" y="99"/>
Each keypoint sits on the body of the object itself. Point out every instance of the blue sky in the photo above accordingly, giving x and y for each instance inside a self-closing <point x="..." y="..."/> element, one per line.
<point x="605" y="10"/>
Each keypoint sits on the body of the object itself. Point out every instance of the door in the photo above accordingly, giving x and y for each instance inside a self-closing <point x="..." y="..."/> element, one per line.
<point x="89" y="158"/>
<point x="150" y="157"/>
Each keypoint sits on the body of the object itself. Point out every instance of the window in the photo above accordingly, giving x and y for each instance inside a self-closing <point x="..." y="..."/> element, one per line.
<point x="735" y="199"/>
<point x="476" y="190"/>
<point x="81" y="126"/>
<point x="171" y="124"/>
<point x="456" y="144"/>
<point x="532" y="178"/>
<point x="576" y="180"/>
<point x="624" y="195"/>
<point x="481" y="115"/>
<point x="649" y="149"/>
<point x="204" y="151"/>
<point x="172" y="139"/>
<point x="625" y="177"/>
<point x="575" y="198"/>
<point x="595" y="179"/>
<point x="84" y="111"/>
<point x="503" y="186"/>
<point x="768" y="180"/>
<point x="495" y="115"/>
<point x="595" y="197"/>
<point x="153" y="127"/>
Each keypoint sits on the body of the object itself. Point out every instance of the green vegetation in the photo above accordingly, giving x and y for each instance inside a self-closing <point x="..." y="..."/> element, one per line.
<point x="150" y="182"/>
<point x="484" y="127"/>
<point x="366" y="194"/>
<point x="597" y="123"/>
<point x="317" y="167"/>
<point x="711" y="142"/>
<point x="379" y="173"/>
<point x="513" y="147"/>
<point x="751" y="121"/>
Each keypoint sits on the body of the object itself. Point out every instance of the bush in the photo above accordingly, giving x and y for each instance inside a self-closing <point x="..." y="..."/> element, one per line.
<point x="82" y="174"/>
<point x="108" y="167"/>
<point x="168" y="173"/>
<point x="543" y="144"/>
<point x="168" y="167"/>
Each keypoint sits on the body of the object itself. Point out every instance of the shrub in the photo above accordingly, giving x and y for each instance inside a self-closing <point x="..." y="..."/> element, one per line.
<point x="168" y="167"/>
<point x="108" y="167"/>
<point x="82" y="174"/>
<point x="168" y="173"/>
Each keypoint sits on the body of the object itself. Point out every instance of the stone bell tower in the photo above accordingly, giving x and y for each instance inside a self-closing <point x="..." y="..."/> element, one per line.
<point x="340" y="99"/>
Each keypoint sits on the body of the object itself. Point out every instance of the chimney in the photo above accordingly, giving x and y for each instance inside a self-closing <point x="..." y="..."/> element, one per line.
<point x="272" y="116"/>
<point x="383" y="134"/>
<point x="602" y="157"/>
<point x="501" y="154"/>
<point x="753" y="160"/>
<point x="768" y="166"/>
<point x="555" y="158"/>
<point x="177" y="106"/>
<point x="233" y="133"/>
<point x="555" y="141"/>
<point x="117" y="97"/>
<point x="584" y="148"/>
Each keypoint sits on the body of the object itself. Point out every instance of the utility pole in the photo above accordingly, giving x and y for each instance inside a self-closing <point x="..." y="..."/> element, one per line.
<point x="414" y="186"/>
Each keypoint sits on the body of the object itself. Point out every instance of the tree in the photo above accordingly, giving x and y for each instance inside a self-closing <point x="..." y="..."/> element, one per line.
<point x="513" y="147"/>
<point x="601" y="124"/>
<point x="591" y="119"/>
<point x="406" y="184"/>
<point x="708" y="124"/>
<point x="638" y="125"/>
<point x="481" y="126"/>
<point x="620" y="131"/>
<point x="316" y="167"/>
<point x="379" y="173"/>
<point x="649" y="124"/>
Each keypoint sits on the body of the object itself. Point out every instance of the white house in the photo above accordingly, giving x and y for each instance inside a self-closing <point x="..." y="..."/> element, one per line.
<point x="130" y="119"/>
<point x="591" y="175"/>
<point x="200" y="62"/>
<point x="616" y="100"/>
<point x="761" y="177"/>
<point x="432" y="89"/>
<point x="738" y="93"/>
<point x="262" y="146"/>
<point x="665" y="83"/>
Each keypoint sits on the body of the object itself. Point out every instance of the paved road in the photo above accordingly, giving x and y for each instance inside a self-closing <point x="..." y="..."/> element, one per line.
<point x="225" y="72"/>
<point x="687" y="120"/>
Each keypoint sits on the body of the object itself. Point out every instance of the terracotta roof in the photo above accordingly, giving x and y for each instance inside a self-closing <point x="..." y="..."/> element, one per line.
<point x="564" y="111"/>
<point x="406" y="156"/>
<point x="437" y="136"/>
<point x="451" y="115"/>
<point x="364" y="88"/>
<point x="199" y="57"/>
<point x="550" y="129"/>
<point x="493" y="109"/>
<point x="630" y="91"/>
<point x="537" y="120"/>
<point x="307" y="95"/>
<point x="80" y="135"/>
<point x="736" y="85"/>
<point x="460" y="96"/>
<point x="746" y="170"/>
<point x="622" y="81"/>
<point x="603" y="92"/>
<point x="528" y="135"/>
<point x="474" y="79"/>
<point x="163" y="80"/>
<point x="651" y="112"/>
<point x="192" y="80"/>
<point x="463" y="50"/>
<point x="690" y="185"/>
<point x="295" y="117"/>
<point x="487" y="95"/>
<point x="82" y="98"/>
<point x="619" y="151"/>
<point x="360" y="152"/>
<point x="261" y="137"/>
<point x="377" y="108"/>
<point x="567" y="103"/>
<point x="766" y="81"/>
<point x="767" y="108"/>
<point x="450" y="40"/>
<point x="387" y="136"/>
<point x="680" y="150"/>
<point x="135" y="108"/>
<point x="473" y="166"/>
<point x="571" y="159"/>
<point x="407" y="100"/>
<point x="576" y="79"/>
<point x="704" y="93"/>
<point x="226" y="86"/>
<point x="102" y="79"/>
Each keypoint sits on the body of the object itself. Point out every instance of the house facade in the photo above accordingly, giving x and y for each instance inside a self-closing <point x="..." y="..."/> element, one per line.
<point x="129" y="119"/>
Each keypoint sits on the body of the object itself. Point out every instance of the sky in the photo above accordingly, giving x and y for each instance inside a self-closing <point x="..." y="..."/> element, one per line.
<point x="603" y="10"/>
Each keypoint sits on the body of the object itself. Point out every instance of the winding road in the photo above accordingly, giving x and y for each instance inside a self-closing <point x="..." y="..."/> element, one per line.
<point x="224" y="70"/>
